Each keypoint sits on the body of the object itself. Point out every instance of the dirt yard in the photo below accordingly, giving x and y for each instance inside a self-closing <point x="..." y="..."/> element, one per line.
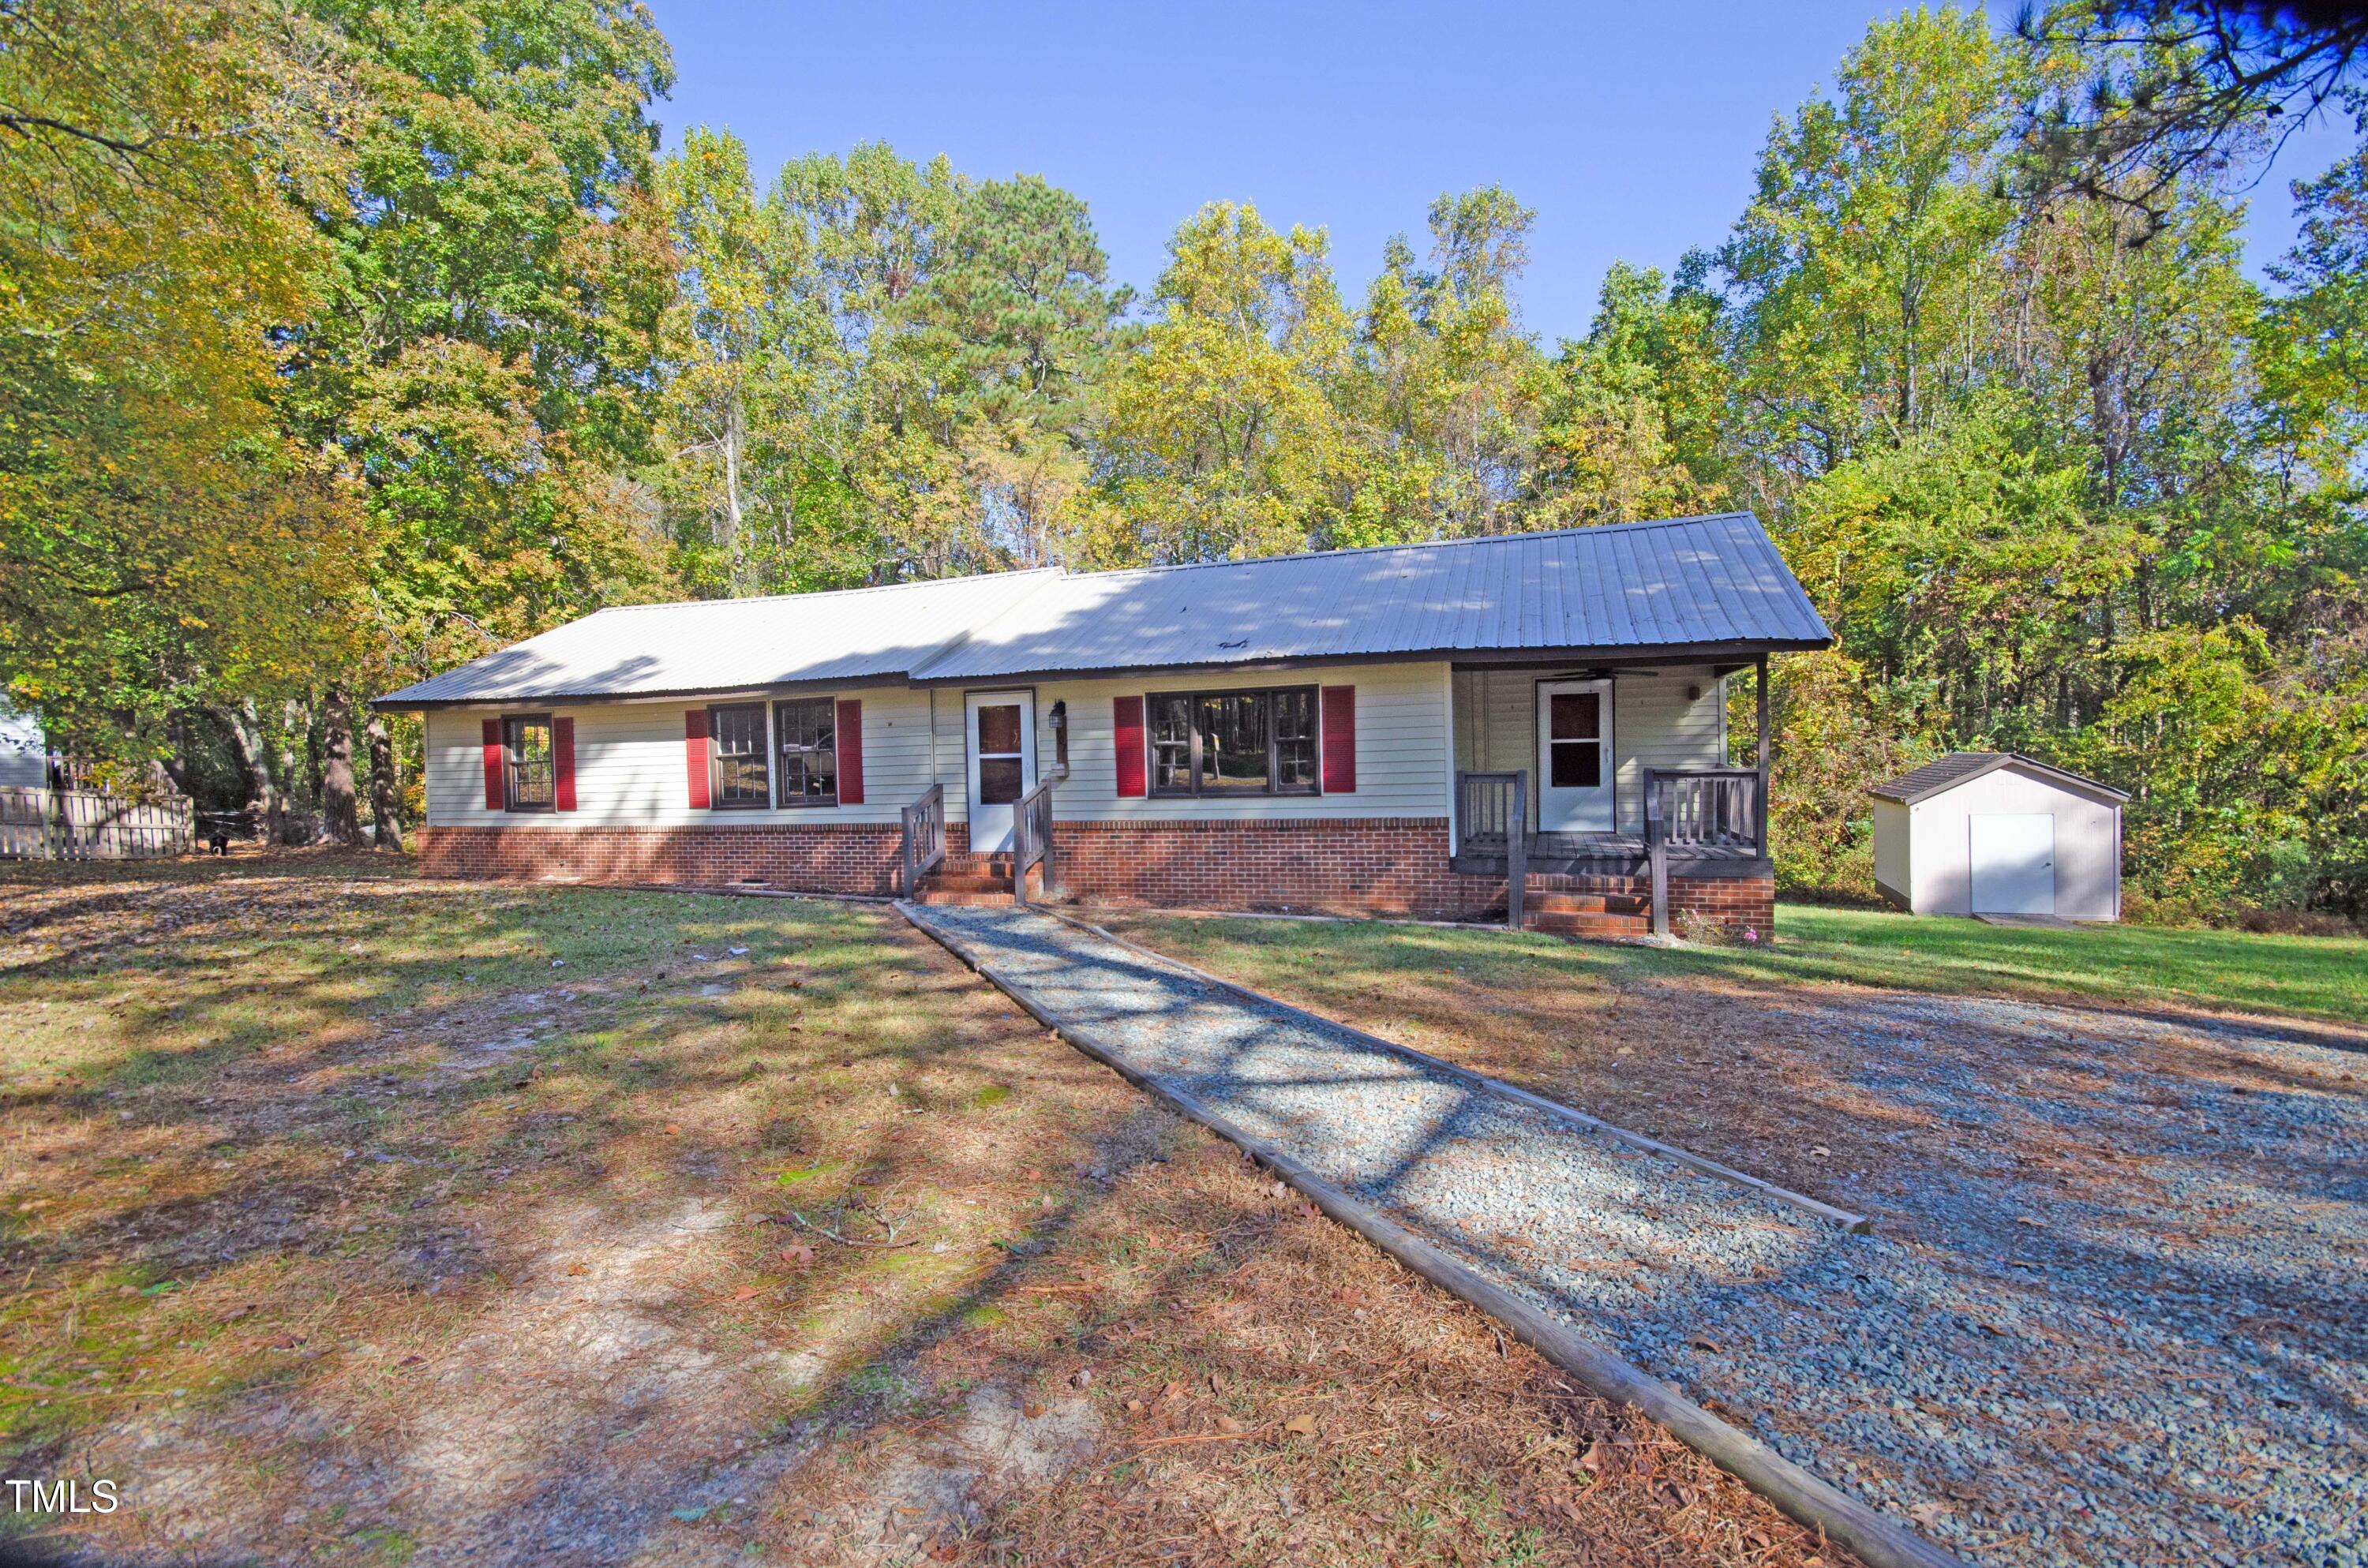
<point x="349" y="1218"/>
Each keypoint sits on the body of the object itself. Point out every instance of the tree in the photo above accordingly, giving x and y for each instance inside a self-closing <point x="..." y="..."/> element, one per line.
<point x="1630" y="425"/>
<point x="1225" y="442"/>
<point x="725" y="348"/>
<point x="2148" y="97"/>
<point x="1019" y="328"/>
<point x="1440" y="399"/>
<point x="161" y="543"/>
<point x="914" y="360"/>
<point x="1855" y="276"/>
<point x="2321" y="327"/>
<point x="479" y="360"/>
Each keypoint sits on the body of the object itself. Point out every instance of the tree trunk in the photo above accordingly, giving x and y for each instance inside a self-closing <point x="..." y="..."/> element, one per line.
<point x="340" y="816"/>
<point x="303" y="721"/>
<point x="384" y="785"/>
<point x="735" y="435"/>
<point x="178" y="767"/>
<point x="253" y="755"/>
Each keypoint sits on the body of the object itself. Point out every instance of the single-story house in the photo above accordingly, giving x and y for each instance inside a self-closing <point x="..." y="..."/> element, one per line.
<point x="1537" y="720"/>
<point x="1992" y="833"/>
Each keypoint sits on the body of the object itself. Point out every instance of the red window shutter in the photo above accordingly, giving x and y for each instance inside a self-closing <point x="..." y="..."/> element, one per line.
<point x="848" y="740"/>
<point x="496" y="796"/>
<point x="1126" y="713"/>
<point x="1339" y="740"/>
<point x="694" y="755"/>
<point x="562" y="764"/>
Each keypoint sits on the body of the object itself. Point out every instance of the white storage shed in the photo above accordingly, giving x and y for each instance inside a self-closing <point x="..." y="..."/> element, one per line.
<point x="1991" y="833"/>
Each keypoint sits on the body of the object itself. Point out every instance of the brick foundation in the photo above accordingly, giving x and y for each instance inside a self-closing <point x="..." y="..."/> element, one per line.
<point x="1739" y="903"/>
<point x="1353" y="866"/>
<point x="833" y="857"/>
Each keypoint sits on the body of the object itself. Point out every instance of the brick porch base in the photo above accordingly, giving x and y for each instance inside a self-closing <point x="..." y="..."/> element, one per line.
<point x="1354" y="866"/>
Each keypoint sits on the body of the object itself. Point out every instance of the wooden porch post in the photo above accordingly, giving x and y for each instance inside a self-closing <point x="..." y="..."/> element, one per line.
<point x="1517" y="851"/>
<point x="1762" y="682"/>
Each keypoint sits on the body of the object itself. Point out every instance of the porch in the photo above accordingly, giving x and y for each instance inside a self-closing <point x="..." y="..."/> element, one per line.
<point x="1626" y="793"/>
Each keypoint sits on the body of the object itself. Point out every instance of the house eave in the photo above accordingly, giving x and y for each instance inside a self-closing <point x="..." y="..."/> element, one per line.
<point x="1630" y="654"/>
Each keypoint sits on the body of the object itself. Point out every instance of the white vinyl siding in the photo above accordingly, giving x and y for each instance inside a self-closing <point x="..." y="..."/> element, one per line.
<point x="1654" y="724"/>
<point x="1401" y="738"/>
<point x="631" y="769"/>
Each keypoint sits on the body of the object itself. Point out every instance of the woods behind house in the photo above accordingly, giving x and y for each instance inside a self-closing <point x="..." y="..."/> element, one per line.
<point x="339" y="343"/>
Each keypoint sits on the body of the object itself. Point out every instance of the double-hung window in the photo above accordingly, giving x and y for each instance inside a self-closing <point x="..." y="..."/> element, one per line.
<point x="738" y="748"/>
<point x="1234" y="742"/>
<point x="807" y="734"/>
<point x="527" y="773"/>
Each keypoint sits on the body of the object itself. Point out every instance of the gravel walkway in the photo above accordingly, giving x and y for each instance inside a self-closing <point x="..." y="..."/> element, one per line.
<point x="2165" y="1361"/>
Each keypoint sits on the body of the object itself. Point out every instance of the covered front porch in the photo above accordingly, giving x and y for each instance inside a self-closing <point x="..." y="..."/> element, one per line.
<point x="1597" y="790"/>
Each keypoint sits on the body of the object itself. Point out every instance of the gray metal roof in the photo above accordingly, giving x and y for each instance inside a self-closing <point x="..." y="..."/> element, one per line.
<point x="1706" y="583"/>
<point x="729" y="644"/>
<point x="1963" y="767"/>
<point x="1700" y="585"/>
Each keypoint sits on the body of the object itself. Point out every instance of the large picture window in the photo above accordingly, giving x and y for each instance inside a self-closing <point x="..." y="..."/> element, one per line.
<point x="528" y="774"/>
<point x="1234" y="742"/>
<point x="805" y="732"/>
<point x="737" y="735"/>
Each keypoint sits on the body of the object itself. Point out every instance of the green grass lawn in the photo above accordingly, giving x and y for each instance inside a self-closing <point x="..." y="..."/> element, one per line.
<point x="2307" y="977"/>
<point x="2312" y="977"/>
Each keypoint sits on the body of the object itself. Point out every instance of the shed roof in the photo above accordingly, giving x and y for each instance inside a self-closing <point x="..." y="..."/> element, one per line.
<point x="1963" y="767"/>
<point x="1700" y="585"/>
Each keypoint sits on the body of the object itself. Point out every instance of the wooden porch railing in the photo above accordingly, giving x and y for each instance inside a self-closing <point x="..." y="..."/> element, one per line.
<point x="925" y="836"/>
<point x="42" y="823"/>
<point x="1718" y="810"/>
<point x="1031" y="839"/>
<point x="1492" y="812"/>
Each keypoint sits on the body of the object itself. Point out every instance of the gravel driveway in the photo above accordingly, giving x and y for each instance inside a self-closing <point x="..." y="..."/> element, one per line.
<point x="2153" y="1347"/>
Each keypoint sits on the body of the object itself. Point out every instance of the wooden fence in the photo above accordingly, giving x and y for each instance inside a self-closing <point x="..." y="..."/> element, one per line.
<point x="86" y="824"/>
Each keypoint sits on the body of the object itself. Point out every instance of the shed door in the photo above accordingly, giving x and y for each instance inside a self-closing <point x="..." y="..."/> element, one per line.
<point x="2013" y="864"/>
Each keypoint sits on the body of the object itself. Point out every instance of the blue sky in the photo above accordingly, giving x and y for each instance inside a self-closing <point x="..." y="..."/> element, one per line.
<point x="1632" y="131"/>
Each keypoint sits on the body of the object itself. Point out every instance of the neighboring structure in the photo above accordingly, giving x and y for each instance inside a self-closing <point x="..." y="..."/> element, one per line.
<point x="1441" y="728"/>
<point x="24" y="749"/>
<point x="1990" y="832"/>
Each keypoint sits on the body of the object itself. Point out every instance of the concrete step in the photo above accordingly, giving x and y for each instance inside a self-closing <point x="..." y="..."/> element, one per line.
<point x="1585" y="923"/>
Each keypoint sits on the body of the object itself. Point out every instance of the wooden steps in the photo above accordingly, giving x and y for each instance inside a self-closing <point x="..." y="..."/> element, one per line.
<point x="982" y="881"/>
<point x="1586" y="914"/>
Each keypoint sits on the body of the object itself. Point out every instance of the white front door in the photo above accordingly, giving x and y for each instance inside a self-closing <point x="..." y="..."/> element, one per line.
<point x="2013" y="864"/>
<point x="1575" y="765"/>
<point x="1002" y="746"/>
